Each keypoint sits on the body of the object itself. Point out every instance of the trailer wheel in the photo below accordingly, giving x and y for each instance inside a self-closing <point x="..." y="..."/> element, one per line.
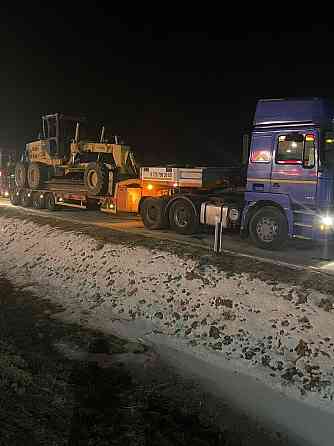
<point x="183" y="217"/>
<point x="96" y="179"/>
<point x="25" y="199"/>
<point x="268" y="228"/>
<point x="36" y="175"/>
<point x="50" y="202"/>
<point x="153" y="213"/>
<point x="92" y="205"/>
<point x="38" y="200"/>
<point x="21" y="175"/>
<point x="14" y="197"/>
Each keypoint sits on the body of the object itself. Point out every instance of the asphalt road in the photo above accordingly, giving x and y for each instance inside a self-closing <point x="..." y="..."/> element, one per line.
<point x="299" y="254"/>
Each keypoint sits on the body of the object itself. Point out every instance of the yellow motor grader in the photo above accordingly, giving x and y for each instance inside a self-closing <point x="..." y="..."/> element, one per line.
<point x="64" y="152"/>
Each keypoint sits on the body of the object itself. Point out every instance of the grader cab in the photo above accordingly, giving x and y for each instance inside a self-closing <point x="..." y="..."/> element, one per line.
<point x="66" y="151"/>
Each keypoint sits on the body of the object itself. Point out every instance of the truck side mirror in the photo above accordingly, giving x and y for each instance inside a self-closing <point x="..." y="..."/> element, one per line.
<point x="245" y="149"/>
<point x="328" y="149"/>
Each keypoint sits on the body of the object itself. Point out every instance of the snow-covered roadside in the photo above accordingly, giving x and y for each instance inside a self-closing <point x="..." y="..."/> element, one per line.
<point x="278" y="334"/>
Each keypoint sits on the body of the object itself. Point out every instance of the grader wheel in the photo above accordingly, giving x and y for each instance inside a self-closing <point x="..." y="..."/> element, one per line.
<point x="37" y="174"/>
<point x="96" y="179"/>
<point x="20" y="175"/>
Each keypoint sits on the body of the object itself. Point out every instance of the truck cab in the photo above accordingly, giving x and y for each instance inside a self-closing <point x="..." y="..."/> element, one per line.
<point x="290" y="175"/>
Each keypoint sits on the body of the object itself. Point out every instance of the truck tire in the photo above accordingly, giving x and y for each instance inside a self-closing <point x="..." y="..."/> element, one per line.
<point x="20" y="175"/>
<point x="96" y="179"/>
<point x="268" y="228"/>
<point x="36" y="175"/>
<point x="153" y="213"/>
<point x="183" y="217"/>
<point x="50" y="202"/>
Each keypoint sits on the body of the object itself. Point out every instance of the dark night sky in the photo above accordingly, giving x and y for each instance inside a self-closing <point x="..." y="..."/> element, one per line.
<point x="175" y="94"/>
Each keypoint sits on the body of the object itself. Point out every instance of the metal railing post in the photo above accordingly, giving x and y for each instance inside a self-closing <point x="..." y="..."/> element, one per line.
<point x="218" y="243"/>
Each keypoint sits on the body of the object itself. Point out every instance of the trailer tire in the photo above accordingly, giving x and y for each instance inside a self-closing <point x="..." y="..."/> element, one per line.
<point x="96" y="179"/>
<point x="14" y="197"/>
<point x="38" y="200"/>
<point x="183" y="217"/>
<point x="36" y="175"/>
<point x="92" y="205"/>
<point x="268" y="228"/>
<point x="153" y="213"/>
<point x="21" y="175"/>
<point x="25" y="199"/>
<point x="50" y="202"/>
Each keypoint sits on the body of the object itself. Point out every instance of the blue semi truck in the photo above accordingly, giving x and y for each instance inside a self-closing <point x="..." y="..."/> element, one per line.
<point x="283" y="189"/>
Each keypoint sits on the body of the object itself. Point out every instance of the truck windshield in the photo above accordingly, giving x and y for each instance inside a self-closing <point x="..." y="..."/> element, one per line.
<point x="296" y="148"/>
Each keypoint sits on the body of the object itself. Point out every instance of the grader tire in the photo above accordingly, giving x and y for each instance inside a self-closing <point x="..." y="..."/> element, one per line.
<point x="20" y="175"/>
<point x="96" y="179"/>
<point x="37" y="174"/>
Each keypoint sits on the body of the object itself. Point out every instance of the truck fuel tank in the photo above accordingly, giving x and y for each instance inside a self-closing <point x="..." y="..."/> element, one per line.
<point x="212" y="213"/>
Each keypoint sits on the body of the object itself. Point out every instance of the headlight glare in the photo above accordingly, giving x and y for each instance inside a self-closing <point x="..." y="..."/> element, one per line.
<point x="327" y="220"/>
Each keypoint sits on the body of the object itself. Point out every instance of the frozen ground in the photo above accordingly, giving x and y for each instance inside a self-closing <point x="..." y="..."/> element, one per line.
<point x="280" y="336"/>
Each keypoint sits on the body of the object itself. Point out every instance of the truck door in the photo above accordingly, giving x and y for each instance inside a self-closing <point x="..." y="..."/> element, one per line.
<point x="260" y="164"/>
<point x="294" y="169"/>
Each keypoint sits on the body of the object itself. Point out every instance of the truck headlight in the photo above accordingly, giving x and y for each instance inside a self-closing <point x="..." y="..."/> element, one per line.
<point x="327" y="220"/>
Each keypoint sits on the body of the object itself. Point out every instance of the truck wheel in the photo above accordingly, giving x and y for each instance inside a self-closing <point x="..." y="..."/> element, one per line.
<point x="96" y="179"/>
<point x="268" y="228"/>
<point x="183" y="217"/>
<point x="21" y="175"/>
<point x="50" y="202"/>
<point x="36" y="175"/>
<point x="153" y="213"/>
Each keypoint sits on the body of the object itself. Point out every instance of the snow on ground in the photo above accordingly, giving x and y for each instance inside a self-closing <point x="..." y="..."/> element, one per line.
<point x="281" y="335"/>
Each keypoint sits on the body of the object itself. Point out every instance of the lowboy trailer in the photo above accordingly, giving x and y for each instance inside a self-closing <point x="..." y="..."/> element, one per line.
<point x="284" y="188"/>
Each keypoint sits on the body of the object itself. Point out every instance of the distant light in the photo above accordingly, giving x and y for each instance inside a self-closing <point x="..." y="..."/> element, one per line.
<point x="294" y="144"/>
<point x="309" y="137"/>
<point x="6" y="194"/>
<point x="41" y="196"/>
<point x="329" y="141"/>
<point x="60" y="199"/>
<point x="174" y="184"/>
<point x="150" y="186"/>
<point x="29" y="194"/>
